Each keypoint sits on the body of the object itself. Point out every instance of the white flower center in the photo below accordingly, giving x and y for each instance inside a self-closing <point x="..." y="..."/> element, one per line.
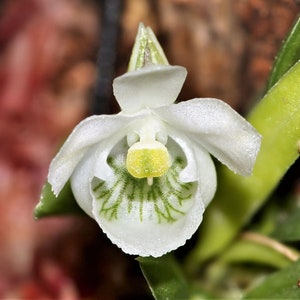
<point x="148" y="157"/>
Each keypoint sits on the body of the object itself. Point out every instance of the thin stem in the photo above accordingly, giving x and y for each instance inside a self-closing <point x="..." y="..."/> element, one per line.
<point x="275" y="245"/>
<point x="107" y="53"/>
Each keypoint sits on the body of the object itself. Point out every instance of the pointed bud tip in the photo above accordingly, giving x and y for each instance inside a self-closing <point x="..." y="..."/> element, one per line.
<point x="146" y="50"/>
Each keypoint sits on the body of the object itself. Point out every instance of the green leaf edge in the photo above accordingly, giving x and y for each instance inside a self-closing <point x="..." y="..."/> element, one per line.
<point x="164" y="277"/>
<point x="283" y="284"/>
<point x="50" y="205"/>
<point x="288" y="55"/>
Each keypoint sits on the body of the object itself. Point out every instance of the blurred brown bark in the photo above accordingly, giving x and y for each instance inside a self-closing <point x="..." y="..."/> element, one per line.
<point x="227" y="46"/>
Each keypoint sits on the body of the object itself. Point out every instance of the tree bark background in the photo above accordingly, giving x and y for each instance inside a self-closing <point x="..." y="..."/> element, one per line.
<point x="47" y="73"/>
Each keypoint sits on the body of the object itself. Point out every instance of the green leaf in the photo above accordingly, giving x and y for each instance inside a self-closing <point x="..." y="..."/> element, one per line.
<point x="50" y="205"/>
<point x="280" y="285"/>
<point x="289" y="229"/>
<point x="276" y="118"/>
<point x="288" y="55"/>
<point x="164" y="277"/>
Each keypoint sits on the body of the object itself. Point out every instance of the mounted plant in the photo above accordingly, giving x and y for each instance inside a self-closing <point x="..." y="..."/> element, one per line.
<point x="146" y="176"/>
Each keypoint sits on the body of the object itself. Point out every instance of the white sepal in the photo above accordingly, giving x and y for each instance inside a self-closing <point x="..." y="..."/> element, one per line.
<point x="218" y="128"/>
<point x="149" y="87"/>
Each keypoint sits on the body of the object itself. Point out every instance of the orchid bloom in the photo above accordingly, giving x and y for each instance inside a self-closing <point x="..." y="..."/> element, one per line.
<point x="145" y="174"/>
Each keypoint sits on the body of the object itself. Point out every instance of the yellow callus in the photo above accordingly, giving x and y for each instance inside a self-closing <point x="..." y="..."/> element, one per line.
<point x="147" y="160"/>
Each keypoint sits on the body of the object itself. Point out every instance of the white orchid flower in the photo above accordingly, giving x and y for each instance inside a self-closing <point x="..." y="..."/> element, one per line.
<point x="146" y="175"/>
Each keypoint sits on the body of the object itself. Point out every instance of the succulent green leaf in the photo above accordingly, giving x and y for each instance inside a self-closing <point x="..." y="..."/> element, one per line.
<point x="288" y="55"/>
<point x="276" y="118"/>
<point x="164" y="277"/>
<point x="283" y="284"/>
<point x="50" y="205"/>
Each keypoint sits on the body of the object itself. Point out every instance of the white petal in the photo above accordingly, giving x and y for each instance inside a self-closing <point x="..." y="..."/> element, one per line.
<point x="81" y="181"/>
<point x="200" y="166"/>
<point x="218" y="128"/>
<point x="94" y="164"/>
<point x="87" y="133"/>
<point x="151" y="86"/>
